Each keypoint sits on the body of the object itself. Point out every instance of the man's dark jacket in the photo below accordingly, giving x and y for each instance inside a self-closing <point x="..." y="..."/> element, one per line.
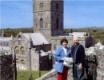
<point x="80" y="54"/>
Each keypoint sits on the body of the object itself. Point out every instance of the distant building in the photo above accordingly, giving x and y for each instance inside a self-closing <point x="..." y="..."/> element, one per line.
<point x="79" y="34"/>
<point x="27" y="47"/>
<point x="5" y="44"/>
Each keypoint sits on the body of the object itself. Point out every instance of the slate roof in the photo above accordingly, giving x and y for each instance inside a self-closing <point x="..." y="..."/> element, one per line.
<point x="37" y="38"/>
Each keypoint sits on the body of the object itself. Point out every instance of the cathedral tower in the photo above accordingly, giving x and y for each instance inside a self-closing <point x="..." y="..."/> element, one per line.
<point x="48" y="17"/>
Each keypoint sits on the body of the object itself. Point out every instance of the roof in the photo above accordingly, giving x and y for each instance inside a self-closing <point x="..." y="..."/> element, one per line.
<point x="36" y="38"/>
<point x="5" y="39"/>
<point x="4" y="48"/>
<point x="79" y="34"/>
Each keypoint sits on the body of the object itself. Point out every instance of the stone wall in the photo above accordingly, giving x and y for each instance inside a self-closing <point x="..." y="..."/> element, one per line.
<point x="91" y="67"/>
<point x="90" y="71"/>
<point x="100" y="68"/>
<point x="55" y="41"/>
<point x="94" y="69"/>
<point x="6" y="71"/>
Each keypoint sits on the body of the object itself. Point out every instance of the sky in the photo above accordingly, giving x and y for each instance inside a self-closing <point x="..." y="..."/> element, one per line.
<point x="77" y="13"/>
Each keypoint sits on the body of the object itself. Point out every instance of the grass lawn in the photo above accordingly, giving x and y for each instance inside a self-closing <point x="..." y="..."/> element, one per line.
<point x="24" y="75"/>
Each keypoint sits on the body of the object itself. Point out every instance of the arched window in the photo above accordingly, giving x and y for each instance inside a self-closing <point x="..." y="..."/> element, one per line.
<point x="41" y="22"/>
<point x="41" y="5"/>
<point x="16" y="50"/>
<point x="22" y="50"/>
<point x="57" y="23"/>
<point x="57" y="6"/>
<point x="36" y="25"/>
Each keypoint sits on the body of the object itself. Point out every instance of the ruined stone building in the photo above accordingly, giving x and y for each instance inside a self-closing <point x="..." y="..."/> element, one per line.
<point x="5" y="44"/>
<point x="27" y="47"/>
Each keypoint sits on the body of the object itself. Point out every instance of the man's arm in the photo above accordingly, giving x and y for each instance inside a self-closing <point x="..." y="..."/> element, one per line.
<point x="82" y="55"/>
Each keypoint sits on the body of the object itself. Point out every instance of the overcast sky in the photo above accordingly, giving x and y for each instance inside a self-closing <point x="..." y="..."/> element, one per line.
<point x="77" y="13"/>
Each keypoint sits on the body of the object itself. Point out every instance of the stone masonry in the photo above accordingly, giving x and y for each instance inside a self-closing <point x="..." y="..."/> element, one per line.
<point x="6" y="70"/>
<point x="94" y="69"/>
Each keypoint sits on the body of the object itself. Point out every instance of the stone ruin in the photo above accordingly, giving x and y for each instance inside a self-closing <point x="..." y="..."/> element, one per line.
<point x="7" y="68"/>
<point x="94" y="69"/>
<point x="100" y="67"/>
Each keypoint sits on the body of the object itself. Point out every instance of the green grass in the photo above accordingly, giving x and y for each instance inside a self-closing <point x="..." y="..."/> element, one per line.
<point x="24" y="75"/>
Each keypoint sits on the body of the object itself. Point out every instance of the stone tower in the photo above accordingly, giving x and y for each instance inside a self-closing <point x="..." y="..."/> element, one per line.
<point x="48" y="17"/>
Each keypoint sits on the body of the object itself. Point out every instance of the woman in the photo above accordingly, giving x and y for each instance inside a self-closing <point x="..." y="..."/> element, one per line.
<point x="59" y="55"/>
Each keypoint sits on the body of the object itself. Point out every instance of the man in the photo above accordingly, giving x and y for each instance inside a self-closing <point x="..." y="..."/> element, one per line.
<point x="78" y="54"/>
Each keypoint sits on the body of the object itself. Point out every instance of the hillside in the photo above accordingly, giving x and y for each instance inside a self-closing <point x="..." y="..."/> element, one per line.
<point x="14" y="32"/>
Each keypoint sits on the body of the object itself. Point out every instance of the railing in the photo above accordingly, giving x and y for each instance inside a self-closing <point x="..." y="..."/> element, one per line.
<point x="49" y="76"/>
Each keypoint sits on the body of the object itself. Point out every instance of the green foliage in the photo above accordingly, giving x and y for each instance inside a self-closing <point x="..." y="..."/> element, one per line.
<point x="103" y="41"/>
<point x="8" y="32"/>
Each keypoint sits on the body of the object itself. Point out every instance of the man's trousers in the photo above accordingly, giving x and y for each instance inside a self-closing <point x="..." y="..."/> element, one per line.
<point x="78" y="74"/>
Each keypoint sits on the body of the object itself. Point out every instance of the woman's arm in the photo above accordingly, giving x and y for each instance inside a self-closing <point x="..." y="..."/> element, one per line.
<point x="57" y="54"/>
